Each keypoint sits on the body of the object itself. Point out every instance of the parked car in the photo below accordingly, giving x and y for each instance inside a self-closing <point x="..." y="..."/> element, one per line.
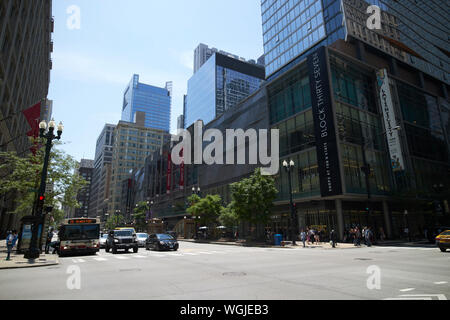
<point x="141" y="238"/>
<point x="121" y="239"/>
<point x="443" y="240"/>
<point x="161" y="241"/>
<point x="103" y="240"/>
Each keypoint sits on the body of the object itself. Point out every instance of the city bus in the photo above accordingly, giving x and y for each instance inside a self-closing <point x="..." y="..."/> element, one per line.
<point x="79" y="235"/>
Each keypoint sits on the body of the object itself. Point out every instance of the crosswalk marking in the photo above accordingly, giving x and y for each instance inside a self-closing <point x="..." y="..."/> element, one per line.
<point x="441" y="282"/>
<point x="138" y="256"/>
<point x="121" y="257"/>
<point x="100" y="259"/>
<point x="78" y="260"/>
<point x="408" y="289"/>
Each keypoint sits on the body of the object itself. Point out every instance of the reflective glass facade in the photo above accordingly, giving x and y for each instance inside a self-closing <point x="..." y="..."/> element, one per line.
<point x="291" y="28"/>
<point x="220" y="84"/>
<point x="154" y="101"/>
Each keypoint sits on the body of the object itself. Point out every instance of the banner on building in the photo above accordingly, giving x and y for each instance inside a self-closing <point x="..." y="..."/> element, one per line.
<point x="182" y="170"/>
<point x="169" y="172"/>
<point x="326" y="140"/>
<point x="390" y="122"/>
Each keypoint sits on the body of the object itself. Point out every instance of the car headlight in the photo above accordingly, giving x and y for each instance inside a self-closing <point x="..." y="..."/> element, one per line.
<point x="161" y="242"/>
<point x="116" y="240"/>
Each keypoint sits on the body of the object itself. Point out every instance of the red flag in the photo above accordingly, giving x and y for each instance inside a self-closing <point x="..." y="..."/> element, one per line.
<point x="33" y="116"/>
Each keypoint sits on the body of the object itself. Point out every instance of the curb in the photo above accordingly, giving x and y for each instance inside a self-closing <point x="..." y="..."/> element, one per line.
<point x="30" y="266"/>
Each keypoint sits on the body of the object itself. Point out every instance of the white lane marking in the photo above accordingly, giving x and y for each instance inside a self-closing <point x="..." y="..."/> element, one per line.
<point x="190" y="253"/>
<point x="408" y="289"/>
<point x="78" y="260"/>
<point x="100" y="259"/>
<point x="204" y="252"/>
<point x="121" y="258"/>
<point x="441" y="282"/>
<point x="138" y="256"/>
<point x="219" y="252"/>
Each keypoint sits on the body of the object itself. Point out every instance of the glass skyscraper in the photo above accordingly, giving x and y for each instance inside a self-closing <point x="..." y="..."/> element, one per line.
<point x="154" y="101"/>
<point x="221" y="83"/>
<point x="292" y="29"/>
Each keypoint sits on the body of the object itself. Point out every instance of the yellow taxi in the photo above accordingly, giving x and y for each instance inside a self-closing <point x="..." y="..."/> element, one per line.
<point x="443" y="240"/>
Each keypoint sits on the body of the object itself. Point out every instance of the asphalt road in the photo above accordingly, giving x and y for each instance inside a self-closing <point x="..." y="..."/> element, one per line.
<point x="222" y="272"/>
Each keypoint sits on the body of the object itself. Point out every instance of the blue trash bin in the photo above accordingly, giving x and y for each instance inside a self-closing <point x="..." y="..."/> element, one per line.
<point x="277" y="239"/>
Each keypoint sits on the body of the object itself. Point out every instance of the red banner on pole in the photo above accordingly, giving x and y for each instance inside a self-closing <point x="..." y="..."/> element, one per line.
<point x="33" y="116"/>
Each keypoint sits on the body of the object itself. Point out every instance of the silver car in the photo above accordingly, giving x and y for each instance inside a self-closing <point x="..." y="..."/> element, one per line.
<point x="141" y="238"/>
<point x="103" y="240"/>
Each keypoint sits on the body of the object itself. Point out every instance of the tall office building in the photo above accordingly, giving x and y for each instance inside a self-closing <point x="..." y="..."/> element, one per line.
<point x="218" y="85"/>
<point x="412" y="31"/>
<point x="25" y="64"/>
<point x="132" y="144"/>
<point x="102" y="171"/>
<point x="85" y="170"/>
<point x="154" y="101"/>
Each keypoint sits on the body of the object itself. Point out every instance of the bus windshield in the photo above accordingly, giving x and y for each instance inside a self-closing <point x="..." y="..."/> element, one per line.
<point x="79" y="232"/>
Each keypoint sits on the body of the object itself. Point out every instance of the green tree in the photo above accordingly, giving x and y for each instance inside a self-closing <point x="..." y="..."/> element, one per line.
<point x="252" y="198"/>
<point x="140" y="214"/>
<point x="22" y="176"/>
<point x="114" y="221"/>
<point x="208" y="208"/>
<point x="228" y="216"/>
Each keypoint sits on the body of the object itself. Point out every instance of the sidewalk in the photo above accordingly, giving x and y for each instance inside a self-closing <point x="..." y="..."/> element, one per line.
<point x="288" y="244"/>
<point x="18" y="261"/>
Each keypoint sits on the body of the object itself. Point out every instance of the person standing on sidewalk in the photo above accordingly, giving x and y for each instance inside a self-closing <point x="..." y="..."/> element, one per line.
<point x="10" y="243"/>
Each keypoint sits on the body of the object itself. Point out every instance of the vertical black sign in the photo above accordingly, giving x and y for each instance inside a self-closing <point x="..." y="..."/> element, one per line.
<point x="327" y="153"/>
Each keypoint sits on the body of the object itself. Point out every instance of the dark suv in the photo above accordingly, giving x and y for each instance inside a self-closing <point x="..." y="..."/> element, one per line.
<point x="121" y="239"/>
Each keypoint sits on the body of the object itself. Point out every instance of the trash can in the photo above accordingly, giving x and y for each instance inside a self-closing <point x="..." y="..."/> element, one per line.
<point x="277" y="239"/>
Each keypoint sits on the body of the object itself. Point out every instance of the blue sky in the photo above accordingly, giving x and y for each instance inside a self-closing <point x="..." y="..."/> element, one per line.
<point x="155" y="39"/>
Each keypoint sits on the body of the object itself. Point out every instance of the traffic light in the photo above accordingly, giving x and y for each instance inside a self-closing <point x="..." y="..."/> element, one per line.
<point x="40" y="204"/>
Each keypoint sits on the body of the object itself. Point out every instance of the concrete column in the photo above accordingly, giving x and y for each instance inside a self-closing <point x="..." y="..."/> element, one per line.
<point x="387" y="219"/>
<point x="340" y="219"/>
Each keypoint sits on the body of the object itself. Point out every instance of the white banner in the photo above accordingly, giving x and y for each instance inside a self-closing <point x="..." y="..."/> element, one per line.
<point x="392" y="135"/>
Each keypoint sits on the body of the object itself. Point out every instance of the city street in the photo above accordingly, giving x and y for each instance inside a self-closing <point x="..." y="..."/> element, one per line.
<point x="224" y="272"/>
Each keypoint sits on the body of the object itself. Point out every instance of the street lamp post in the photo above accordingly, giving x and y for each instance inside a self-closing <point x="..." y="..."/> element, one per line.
<point x="34" y="252"/>
<point x="288" y="167"/>
<point x="197" y="192"/>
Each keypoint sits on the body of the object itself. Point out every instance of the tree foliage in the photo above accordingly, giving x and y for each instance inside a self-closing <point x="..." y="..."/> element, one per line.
<point x="228" y="216"/>
<point x="140" y="215"/>
<point x="22" y="176"/>
<point x="252" y="198"/>
<point x="208" y="208"/>
<point x="114" y="221"/>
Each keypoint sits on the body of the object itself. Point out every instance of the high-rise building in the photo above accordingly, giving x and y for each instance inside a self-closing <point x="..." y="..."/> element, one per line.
<point x="25" y="64"/>
<point x="411" y="31"/>
<point x="85" y="170"/>
<point x="218" y="85"/>
<point x="102" y="171"/>
<point x="132" y="144"/>
<point x="154" y="101"/>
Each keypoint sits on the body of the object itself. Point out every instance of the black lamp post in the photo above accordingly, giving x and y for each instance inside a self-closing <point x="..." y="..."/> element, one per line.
<point x="34" y="252"/>
<point x="288" y="167"/>
<point x="197" y="192"/>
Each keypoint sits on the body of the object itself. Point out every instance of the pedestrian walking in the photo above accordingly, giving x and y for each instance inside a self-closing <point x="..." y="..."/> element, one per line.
<point x="303" y="237"/>
<point x="368" y="237"/>
<point x="10" y="243"/>
<point x="333" y="238"/>
<point x="357" y="237"/>
<point x="49" y="240"/>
